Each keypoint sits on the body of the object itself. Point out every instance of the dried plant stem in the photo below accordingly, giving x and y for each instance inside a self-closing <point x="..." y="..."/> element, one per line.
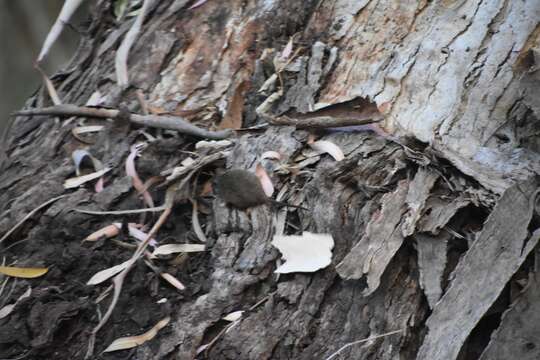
<point x="362" y="341"/>
<point x="29" y="215"/>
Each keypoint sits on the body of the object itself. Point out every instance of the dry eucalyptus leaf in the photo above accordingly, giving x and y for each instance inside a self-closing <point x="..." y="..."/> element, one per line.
<point x="271" y="155"/>
<point x="173" y="281"/>
<point x="212" y="144"/>
<point x="88" y="128"/>
<point x="103" y="275"/>
<point x="79" y="180"/>
<point x="177" y="248"/>
<point x="196" y="224"/>
<point x="133" y="341"/>
<point x="121" y="58"/>
<point x="53" y="94"/>
<point x="234" y="316"/>
<point x="19" y="272"/>
<point x="308" y="252"/>
<point x="68" y="9"/>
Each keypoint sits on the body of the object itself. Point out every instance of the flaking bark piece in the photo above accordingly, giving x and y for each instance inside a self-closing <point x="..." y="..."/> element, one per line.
<point x="518" y="335"/>
<point x="431" y="264"/>
<point x="482" y="273"/>
<point x="372" y="254"/>
<point x="419" y="191"/>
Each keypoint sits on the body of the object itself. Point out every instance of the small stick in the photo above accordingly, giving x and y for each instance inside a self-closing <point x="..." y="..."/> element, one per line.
<point x="121" y="212"/>
<point x="162" y="121"/>
<point x="319" y="122"/>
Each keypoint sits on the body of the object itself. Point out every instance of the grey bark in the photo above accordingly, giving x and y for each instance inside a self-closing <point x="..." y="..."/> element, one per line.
<point x="448" y="78"/>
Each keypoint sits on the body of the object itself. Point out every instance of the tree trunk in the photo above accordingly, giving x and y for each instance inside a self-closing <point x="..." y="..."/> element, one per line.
<point x="432" y="210"/>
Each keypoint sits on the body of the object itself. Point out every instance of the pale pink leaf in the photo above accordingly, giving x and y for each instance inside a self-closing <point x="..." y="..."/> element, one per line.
<point x="323" y="146"/>
<point x="136" y="180"/>
<point x="140" y="235"/>
<point x="107" y="232"/>
<point x="265" y="180"/>
<point x="287" y="51"/>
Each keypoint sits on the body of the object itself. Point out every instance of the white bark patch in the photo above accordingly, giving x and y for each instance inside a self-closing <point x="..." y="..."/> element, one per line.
<point x="304" y="253"/>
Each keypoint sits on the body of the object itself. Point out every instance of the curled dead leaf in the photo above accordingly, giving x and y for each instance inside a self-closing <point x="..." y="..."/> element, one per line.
<point x="323" y="146"/>
<point x="133" y="341"/>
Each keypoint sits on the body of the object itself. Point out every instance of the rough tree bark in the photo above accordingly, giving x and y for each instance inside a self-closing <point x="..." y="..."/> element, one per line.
<point x="433" y="209"/>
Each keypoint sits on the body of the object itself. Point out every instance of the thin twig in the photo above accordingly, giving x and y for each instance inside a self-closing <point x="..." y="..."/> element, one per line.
<point x="29" y="215"/>
<point x="157" y="121"/>
<point x="121" y="212"/>
<point x="362" y="341"/>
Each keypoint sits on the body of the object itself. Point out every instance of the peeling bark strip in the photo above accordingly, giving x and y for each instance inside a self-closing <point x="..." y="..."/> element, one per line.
<point x="482" y="273"/>
<point x="416" y="198"/>
<point x="431" y="263"/>
<point x="518" y="335"/>
<point x="382" y="240"/>
<point x="440" y="213"/>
